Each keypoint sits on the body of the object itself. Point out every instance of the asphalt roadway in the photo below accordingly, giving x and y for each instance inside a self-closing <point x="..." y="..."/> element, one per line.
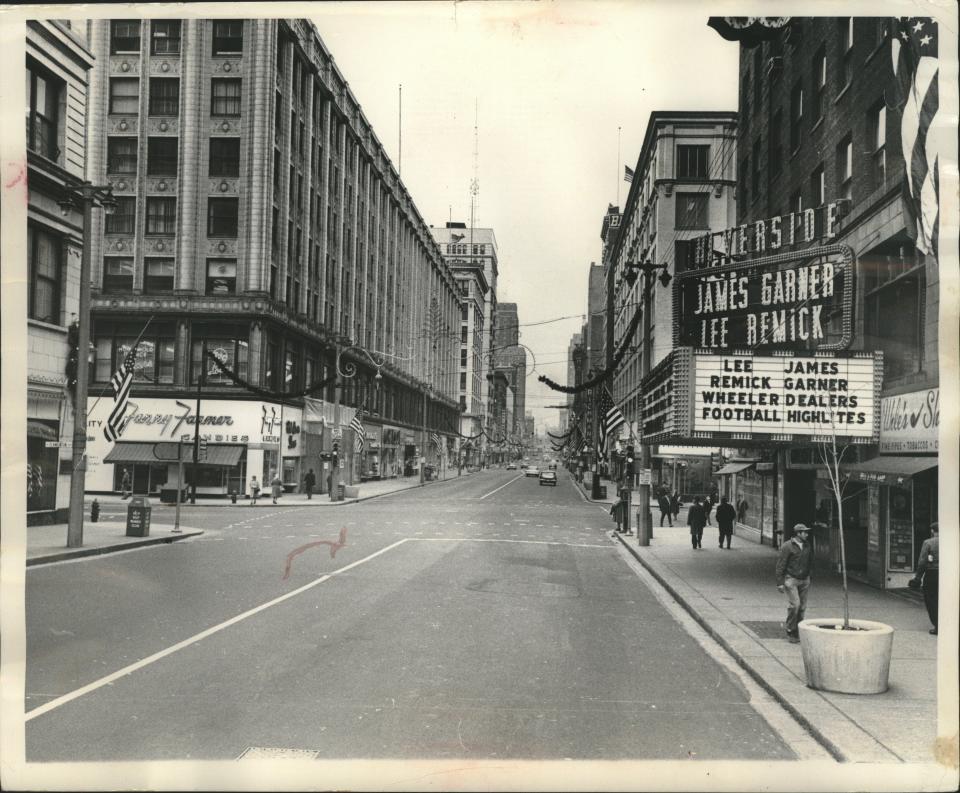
<point x="483" y="617"/>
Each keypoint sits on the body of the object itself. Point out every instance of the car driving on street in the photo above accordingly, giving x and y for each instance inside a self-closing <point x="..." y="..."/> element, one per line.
<point x="548" y="478"/>
<point x="533" y="471"/>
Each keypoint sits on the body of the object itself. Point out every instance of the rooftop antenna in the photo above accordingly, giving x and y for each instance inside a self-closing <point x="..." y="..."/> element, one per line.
<point x="475" y="182"/>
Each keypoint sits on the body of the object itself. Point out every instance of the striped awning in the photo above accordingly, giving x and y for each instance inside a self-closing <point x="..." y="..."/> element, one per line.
<point x="733" y="468"/>
<point x="223" y="455"/>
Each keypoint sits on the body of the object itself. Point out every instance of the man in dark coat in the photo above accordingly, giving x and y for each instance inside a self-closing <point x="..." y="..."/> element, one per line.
<point x="928" y="573"/>
<point x="666" y="511"/>
<point x="697" y="520"/>
<point x="310" y="482"/>
<point x="726" y="515"/>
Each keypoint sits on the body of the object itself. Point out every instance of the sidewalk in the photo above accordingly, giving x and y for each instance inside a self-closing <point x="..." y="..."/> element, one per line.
<point x="732" y="595"/>
<point x="46" y="544"/>
<point x="370" y="489"/>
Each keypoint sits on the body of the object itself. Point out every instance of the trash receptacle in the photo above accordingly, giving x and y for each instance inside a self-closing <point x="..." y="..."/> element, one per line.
<point x="341" y="488"/>
<point x="138" y="517"/>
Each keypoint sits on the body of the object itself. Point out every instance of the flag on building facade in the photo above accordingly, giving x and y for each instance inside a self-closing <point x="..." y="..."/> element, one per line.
<point x="611" y="419"/>
<point x="120" y="382"/>
<point x="916" y="68"/>
<point x="359" y="434"/>
<point x="627" y="173"/>
<point x="437" y="443"/>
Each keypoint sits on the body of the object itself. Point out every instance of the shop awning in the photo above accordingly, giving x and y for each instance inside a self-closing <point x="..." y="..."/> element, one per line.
<point x="888" y="469"/>
<point x="37" y="429"/>
<point x="226" y="455"/>
<point x="733" y="468"/>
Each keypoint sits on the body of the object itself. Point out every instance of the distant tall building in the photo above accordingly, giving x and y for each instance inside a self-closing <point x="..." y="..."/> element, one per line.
<point x="576" y="340"/>
<point x="57" y="66"/>
<point x="512" y="359"/>
<point x="259" y="222"/>
<point x="596" y="316"/>
<point x="471" y="255"/>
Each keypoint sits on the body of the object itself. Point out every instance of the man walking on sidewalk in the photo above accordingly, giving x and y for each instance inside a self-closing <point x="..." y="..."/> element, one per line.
<point x="310" y="482"/>
<point x="928" y="573"/>
<point x="666" y="511"/>
<point x="793" y="577"/>
<point x="697" y="520"/>
<point x="726" y="514"/>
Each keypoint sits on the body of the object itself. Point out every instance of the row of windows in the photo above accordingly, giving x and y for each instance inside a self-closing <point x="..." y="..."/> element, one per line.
<point x="165" y="34"/>
<point x="462" y="249"/>
<point x="165" y="96"/>
<point x="158" y="275"/>
<point x="162" y="156"/>
<point x="875" y="161"/>
<point x="222" y="216"/>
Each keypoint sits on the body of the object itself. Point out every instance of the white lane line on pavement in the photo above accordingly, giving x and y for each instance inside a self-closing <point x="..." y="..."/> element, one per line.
<point x="523" y="542"/>
<point x="103" y="681"/>
<point x="496" y="490"/>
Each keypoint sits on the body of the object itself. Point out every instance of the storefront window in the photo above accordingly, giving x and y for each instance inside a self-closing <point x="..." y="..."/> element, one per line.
<point x="155" y="351"/>
<point x="41" y="464"/>
<point x="900" y="532"/>
<point x="232" y="353"/>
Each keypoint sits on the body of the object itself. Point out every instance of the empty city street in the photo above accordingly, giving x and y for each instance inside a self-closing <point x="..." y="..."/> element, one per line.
<point x="482" y="617"/>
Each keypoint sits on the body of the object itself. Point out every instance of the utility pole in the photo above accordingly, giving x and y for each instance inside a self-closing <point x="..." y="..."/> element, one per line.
<point x="83" y="196"/>
<point x="423" y="437"/>
<point x="196" y="436"/>
<point x="644" y="518"/>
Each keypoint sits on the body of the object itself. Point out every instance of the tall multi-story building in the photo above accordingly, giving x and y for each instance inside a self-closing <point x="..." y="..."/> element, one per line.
<point x="512" y="359"/>
<point x="683" y="186"/>
<point x="567" y="414"/>
<point x="821" y="123"/>
<point x="57" y="72"/>
<point x="261" y="224"/>
<point x="472" y="256"/>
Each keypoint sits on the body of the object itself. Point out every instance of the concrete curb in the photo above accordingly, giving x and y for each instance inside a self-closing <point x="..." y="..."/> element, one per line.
<point x="99" y="550"/>
<point x="746" y="664"/>
<point x="320" y="502"/>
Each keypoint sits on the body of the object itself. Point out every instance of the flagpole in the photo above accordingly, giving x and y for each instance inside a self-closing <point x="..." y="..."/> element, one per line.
<point x="618" y="167"/>
<point x="135" y="344"/>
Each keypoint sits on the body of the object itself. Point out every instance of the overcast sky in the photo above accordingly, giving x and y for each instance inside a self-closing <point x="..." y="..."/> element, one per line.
<point x="550" y="83"/>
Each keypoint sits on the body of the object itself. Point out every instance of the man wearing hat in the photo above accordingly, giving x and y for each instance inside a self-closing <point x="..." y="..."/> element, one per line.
<point x="793" y="577"/>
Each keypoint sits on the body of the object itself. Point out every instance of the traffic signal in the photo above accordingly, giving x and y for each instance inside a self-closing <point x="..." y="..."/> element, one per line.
<point x="629" y="461"/>
<point x="73" y="358"/>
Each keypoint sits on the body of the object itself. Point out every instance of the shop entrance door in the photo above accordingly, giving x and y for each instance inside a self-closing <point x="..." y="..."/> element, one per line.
<point x="799" y="500"/>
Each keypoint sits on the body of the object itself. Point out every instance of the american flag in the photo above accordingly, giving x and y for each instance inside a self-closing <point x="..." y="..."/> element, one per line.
<point x="611" y="419"/>
<point x="627" y="173"/>
<point x="359" y="434"/>
<point x="120" y="382"/>
<point x="913" y="48"/>
<point x="437" y="443"/>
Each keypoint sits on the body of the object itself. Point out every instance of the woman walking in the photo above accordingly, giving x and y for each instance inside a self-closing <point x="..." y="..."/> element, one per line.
<point x="276" y="488"/>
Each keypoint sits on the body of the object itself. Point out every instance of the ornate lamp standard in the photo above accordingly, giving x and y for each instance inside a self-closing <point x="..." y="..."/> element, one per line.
<point x="83" y="196"/>
<point x="632" y="269"/>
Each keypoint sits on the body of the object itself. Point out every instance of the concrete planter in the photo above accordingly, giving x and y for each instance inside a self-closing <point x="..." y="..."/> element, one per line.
<point x="848" y="662"/>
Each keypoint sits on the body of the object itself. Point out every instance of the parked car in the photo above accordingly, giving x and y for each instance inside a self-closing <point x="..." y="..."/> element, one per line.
<point x="511" y="466"/>
<point x="548" y="478"/>
<point x="533" y="471"/>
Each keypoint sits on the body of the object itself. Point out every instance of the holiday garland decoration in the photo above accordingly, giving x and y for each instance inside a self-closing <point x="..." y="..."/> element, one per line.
<point x="606" y="373"/>
<point x="266" y="394"/>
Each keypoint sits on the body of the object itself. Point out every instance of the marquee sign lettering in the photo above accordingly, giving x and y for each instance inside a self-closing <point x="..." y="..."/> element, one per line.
<point x="742" y="399"/>
<point x="791" y="301"/>
<point x="768" y="236"/>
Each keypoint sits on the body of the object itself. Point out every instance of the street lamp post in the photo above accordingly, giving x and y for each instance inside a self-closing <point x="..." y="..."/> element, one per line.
<point x="84" y="196"/>
<point x="644" y="518"/>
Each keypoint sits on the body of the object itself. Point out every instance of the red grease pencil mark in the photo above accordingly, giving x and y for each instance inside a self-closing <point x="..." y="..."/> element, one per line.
<point x="20" y="176"/>
<point x="334" y="547"/>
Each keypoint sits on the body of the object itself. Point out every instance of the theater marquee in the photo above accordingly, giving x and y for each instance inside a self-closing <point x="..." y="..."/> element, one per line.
<point x="746" y="398"/>
<point x="795" y="301"/>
